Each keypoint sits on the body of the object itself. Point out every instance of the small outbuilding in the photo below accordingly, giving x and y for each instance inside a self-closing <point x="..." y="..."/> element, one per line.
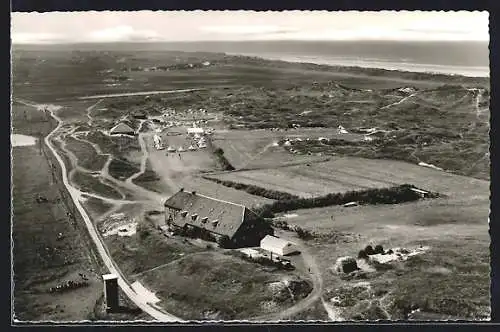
<point x="139" y="115"/>
<point x="121" y="129"/>
<point x="278" y="246"/>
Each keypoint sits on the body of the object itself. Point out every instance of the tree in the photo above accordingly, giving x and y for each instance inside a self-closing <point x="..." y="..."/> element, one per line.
<point x="362" y="254"/>
<point x="369" y="250"/>
<point x="349" y="265"/>
<point x="379" y="249"/>
<point x="224" y="242"/>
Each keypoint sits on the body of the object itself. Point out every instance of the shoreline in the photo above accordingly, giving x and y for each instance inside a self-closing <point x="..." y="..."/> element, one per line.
<point x="473" y="72"/>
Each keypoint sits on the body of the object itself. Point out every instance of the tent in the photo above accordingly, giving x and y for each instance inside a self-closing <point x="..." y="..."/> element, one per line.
<point x="121" y="128"/>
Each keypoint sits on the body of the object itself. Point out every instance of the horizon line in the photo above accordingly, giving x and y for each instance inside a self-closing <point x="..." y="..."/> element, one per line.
<point x="247" y="41"/>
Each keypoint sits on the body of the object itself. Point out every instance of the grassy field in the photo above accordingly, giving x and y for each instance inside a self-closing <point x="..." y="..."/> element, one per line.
<point x="119" y="147"/>
<point x="217" y="286"/>
<point x="86" y="154"/>
<point x="341" y="174"/>
<point x="209" y="188"/>
<point x="146" y="249"/>
<point x="91" y="184"/>
<point x="149" y="179"/>
<point x="456" y="232"/>
<point x="96" y="207"/>
<point x="42" y="259"/>
<point x="121" y="169"/>
<point x="304" y="181"/>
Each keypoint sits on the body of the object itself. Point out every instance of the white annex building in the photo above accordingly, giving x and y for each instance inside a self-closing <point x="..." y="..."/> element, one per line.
<point x="278" y="246"/>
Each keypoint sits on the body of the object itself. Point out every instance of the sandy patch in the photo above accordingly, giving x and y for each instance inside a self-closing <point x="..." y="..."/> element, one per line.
<point x="291" y="215"/>
<point x="439" y="270"/>
<point x="124" y="230"/>
<point x="393" y="226"/>
<point x="333" y="312"/>
<point x="429" y="166"/>
<point x="48" y="107"/>
<point x="118" y="224"/>
<point x="399" y="254"/>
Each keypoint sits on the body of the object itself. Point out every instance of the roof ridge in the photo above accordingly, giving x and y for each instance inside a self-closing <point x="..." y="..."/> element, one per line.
<point x="221" y="200"/>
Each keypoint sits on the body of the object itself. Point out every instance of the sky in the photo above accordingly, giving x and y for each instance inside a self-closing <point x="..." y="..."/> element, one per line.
<point x="165" y="26"/>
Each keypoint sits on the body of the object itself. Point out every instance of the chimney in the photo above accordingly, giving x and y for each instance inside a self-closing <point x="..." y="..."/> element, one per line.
<point x="193" y="192"/>
<point x="181" y="190"/>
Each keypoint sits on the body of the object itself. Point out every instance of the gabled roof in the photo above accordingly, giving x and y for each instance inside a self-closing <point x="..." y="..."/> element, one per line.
<point x="275" y="242"/>
<point x="121" y="128"/>
<point x="222" y="217"/>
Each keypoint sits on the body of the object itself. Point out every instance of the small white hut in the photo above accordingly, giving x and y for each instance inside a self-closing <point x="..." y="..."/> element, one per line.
<point x="277" y="245"/>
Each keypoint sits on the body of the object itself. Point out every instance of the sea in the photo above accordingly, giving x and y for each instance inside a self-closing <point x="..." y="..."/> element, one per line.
<point x="454" y="58"/>
<point x="467" y="58"/>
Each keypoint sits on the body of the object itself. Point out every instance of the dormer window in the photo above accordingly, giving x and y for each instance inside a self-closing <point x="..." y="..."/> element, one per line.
<point x="194" y="217"/>
<point x="184" y="214"/>
<point x="215" y="222"/>
<point x="204" y="220"/>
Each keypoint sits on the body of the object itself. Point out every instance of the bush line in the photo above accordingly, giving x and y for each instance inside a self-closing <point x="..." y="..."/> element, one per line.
<point x="255" y="190"/>
<point x="393" y="195"/>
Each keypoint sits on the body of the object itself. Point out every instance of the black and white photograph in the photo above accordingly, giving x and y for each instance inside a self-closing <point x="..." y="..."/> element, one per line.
<point x="175" y="166"/>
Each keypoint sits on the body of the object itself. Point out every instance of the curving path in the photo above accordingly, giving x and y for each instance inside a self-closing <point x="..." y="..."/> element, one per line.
<point x="144" y="159"/>
<point x="315" y="294"/>
<point x="400" y="101"/>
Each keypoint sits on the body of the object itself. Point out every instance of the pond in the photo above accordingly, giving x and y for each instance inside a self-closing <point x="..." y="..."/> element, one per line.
<point x="22" y="140"/>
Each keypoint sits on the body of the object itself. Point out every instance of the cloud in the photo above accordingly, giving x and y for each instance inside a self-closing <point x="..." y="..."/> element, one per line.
<point x="381" y="33"/>
<point x="35" y="38"/>
<point x="122" y="33"/>
<point x="248" y="29"/>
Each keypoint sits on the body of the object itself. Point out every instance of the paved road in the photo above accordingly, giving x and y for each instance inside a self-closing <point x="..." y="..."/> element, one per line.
<point x="138" y="300"/>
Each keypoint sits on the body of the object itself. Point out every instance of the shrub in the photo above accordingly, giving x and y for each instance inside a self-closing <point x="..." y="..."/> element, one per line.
<point x="349" y="265"/>
<point x="362" y="254"/>
<point x="282" y="224"/>
<point x="303" y="233"/>
<point x="144" y="233"/>
<point x="369" y="250"/>
<point x="379" y="249"/>
<point x="222" y="160"/>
